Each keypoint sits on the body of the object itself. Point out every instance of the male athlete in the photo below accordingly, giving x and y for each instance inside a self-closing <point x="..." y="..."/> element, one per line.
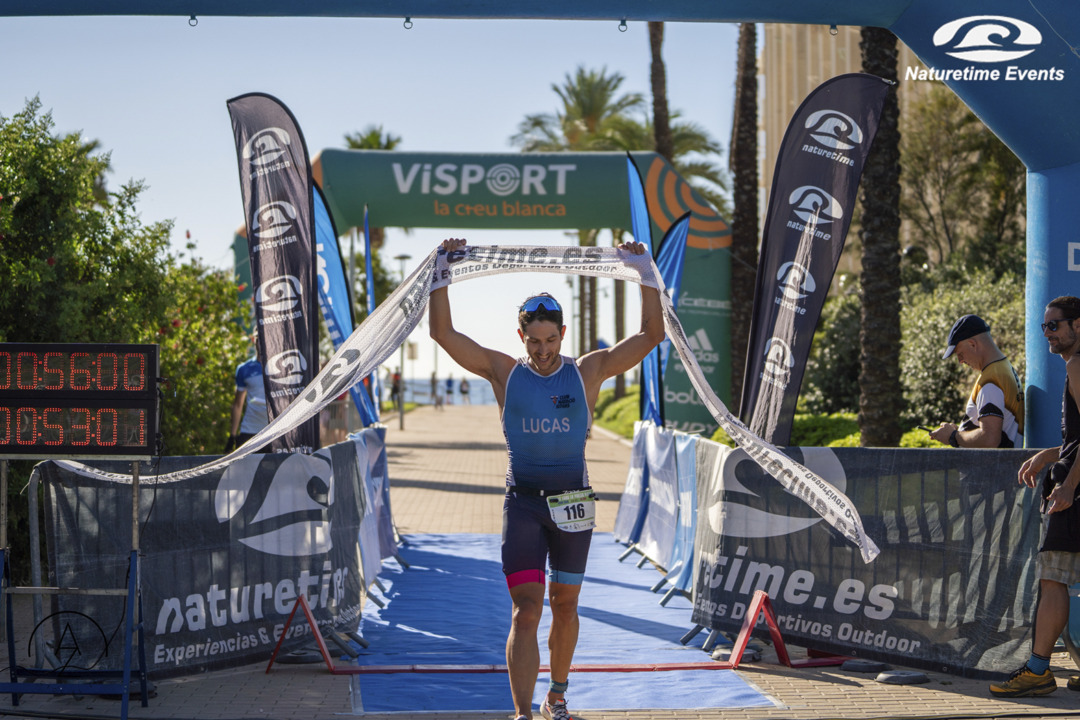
<point x="546" y="402"/>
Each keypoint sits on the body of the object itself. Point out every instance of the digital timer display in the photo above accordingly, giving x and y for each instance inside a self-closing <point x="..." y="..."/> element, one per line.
<point x="60" y="399"/>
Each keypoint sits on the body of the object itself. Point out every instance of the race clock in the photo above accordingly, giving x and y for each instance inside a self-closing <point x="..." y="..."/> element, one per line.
<point x="78" y="399"/>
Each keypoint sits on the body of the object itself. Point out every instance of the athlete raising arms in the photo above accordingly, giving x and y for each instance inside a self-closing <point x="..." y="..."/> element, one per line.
<point x="546" y="401"/>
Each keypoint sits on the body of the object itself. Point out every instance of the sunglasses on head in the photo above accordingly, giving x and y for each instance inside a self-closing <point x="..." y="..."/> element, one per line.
<point x="540" y="301"/>
<point x="1052" y="325"/>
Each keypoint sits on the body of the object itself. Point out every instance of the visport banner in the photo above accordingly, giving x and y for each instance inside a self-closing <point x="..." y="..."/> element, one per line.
<point x="223" y="555"/>
<point x="952" y="589"/>
<point x="810" y="207"/>
<point x="276" y="186"/>
<point x="382" y="333"/>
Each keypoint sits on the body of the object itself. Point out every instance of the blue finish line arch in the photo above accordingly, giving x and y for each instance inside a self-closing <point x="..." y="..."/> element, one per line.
<point x="1016" y="63"/>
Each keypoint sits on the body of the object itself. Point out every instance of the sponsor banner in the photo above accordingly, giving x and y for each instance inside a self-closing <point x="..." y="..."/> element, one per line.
<point x="276" y="187"/>
<point x="334" y="298"/>
<point x="669" y="260"/>
<point x="952" y="589"/>
<point x="223" y="556"/>
<point x="705" y="313"/>
<point x="657" y="540"/>
<point x="383" y="332"/>
<point x="810" y="208"/>
<point x="682" y="556"/>
<point x="634" y="502"/>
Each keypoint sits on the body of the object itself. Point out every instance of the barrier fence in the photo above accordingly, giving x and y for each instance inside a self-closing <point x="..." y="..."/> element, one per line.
<point x="953" y="589"/>
<point x="226" y="553"/>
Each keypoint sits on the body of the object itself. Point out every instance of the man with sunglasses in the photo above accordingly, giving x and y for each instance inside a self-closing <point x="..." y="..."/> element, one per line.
<point x="995" y="409"/>
<point x="1058" y="561"/>
<point x="546" y="401"/>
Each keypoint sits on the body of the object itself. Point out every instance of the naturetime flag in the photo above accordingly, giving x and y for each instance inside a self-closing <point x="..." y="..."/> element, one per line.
<point x="334" y="297"/>
<point x="276" y="185"/>
<point x="814" y="186"/>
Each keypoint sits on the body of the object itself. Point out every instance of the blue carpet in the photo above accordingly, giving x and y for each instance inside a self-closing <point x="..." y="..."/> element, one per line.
<point x="452" y="607"/>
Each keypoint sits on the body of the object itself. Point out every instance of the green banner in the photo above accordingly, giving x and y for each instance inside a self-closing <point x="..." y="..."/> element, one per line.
<point x="566" y="191"/>
<point x="705" y="313"/>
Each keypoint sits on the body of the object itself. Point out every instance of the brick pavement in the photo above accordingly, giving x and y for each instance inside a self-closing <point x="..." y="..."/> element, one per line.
<point x="446" y="473"/>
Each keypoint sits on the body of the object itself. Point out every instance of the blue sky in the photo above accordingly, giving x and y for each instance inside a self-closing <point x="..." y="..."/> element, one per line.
<point x="153" y="91"/>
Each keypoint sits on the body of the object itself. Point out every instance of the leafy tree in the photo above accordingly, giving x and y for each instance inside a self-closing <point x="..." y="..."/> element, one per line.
<point x="590" y="119"/>
<point x="964" y="192"/>
<point x="880" y="403"/>
<point x="936" y="390"/>
<point x="80" y="267"/>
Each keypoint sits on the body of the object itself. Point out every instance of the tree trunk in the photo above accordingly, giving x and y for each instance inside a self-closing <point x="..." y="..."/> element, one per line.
<point x="744" y="221"/>
<point x="665" y="144"/>
<point x="880" y="394"/>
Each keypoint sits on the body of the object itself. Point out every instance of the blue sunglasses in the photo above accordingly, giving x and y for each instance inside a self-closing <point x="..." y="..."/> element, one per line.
<point x="540" y="301"/>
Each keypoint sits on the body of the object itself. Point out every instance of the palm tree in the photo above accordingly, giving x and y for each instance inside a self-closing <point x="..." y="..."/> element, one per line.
<point x="880" y="393"/>
<point x="744" y="220"/>
<point x="373" y="138"/>
<point x="665" y="144"/>
<point x="592" y="108"/>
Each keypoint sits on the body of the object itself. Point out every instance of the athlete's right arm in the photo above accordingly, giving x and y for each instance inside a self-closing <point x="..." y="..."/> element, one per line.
<point x="491" y="365"/>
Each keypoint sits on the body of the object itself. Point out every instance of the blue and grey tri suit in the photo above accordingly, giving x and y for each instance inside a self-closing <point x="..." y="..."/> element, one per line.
<point x="546" y="422"/>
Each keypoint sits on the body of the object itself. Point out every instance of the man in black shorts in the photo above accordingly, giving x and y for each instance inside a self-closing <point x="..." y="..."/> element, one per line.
<point x="546" y="402"/>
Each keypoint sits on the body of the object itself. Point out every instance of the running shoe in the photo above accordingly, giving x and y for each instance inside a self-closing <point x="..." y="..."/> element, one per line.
<point x="1024" y="682"/>
<point x="555" y="711"/>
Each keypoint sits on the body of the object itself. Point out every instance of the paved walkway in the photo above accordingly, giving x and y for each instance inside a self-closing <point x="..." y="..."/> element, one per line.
<point x="446" y="472"/>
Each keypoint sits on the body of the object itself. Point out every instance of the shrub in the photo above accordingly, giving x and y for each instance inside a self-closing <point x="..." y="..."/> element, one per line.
<point x="831" y="381"/>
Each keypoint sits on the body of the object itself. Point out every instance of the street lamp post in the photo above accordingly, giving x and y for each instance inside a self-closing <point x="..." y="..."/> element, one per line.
<point x="401" y="387"/>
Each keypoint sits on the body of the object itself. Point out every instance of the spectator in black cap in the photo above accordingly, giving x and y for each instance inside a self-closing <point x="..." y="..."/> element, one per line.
<point x="995" y="409"/>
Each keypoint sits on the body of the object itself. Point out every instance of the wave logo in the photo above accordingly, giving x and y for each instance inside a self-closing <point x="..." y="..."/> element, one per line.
<point x="502" y="179"/>
<point x="273" y="220"/>
<point x="750" y="503"/>
<point x="287" y="368"/>
<point x="279" y="294"/>
<point x="278" y="507"/>
<point x="811" y="204"/>
<point x="778" y="358"/>
<point x="266" y="146"/>
<point x="796" y="282"/>
<point x="834" y="129"/>
<point x="987" y="38"/>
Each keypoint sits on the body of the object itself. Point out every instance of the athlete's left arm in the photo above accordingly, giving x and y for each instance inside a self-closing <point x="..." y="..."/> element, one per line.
<point x="598" y="366"/>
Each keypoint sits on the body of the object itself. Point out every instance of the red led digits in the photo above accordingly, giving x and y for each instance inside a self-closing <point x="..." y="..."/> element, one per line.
<point x="80" y="376"/>
<point x="108" y="378"/>
<point x="24" y="382"/>
<point x="57" y="381"/>
<point x="134" y="380"/>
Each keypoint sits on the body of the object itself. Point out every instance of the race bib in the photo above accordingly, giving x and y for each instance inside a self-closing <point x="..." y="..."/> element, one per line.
<point x="574" y="511"/>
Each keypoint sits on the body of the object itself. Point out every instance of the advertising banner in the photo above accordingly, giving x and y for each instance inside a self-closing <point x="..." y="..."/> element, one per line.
<point x="223" y="556"/>
<point x="634" y="502"/>
<point x="657" y="540"/>
<point x="810" y="208"/>
<point x="952" y="589"/>
<point x="276" y="186"/>
<point x="669" y="260"/>
<point x="334" y="297"/>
